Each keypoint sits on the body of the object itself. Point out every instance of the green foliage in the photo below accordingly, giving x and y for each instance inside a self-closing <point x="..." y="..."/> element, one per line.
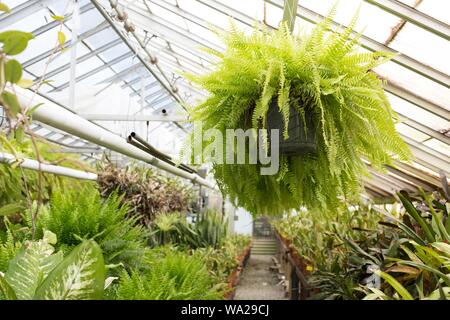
<point x="81" y="213"/>
<point x="147" y="191"/>
<point x="37" y="272"/>
<point x="171" y="275"/>
<point x="209" y="230"/>
<point x="407" y="252"/>
<point x="321" y="73"/>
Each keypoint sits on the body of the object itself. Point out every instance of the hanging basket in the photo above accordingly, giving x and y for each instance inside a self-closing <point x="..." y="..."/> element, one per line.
<point x="301" y="141"/>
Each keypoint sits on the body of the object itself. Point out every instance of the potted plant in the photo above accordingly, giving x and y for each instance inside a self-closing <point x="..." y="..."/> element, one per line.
<point x="320" y="91"/>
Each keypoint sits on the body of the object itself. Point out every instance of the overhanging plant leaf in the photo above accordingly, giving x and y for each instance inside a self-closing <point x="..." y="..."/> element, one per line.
<point x="80" y="276"/>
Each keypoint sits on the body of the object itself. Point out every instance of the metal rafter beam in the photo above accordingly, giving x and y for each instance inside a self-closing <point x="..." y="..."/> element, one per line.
<point x="373" y="45"/>
<point x="413" y="98"/>
<point x="95" y="70"/>
<point x="424" y="129"/>
<point x="56" y="23"/>
<point x="84" y="58"/>
<point x="22" y="11"/>
<point x="414" y="16"/>
<point x="68" y="44"/>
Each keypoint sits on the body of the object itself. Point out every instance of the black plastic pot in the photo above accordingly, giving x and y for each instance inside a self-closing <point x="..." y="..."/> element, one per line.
<point x="300" y="141"/>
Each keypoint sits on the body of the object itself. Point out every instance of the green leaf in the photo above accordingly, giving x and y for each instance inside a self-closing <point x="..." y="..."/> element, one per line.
<point x="443" y="247"/>
<point x="4" y="8"/>
<point x="58" y="18"/>
<point x="395" y="284"/>
<point x="11" y="102"/>
<point x="436" y="294"/>
<point x="19" y="134"/>
<point x="14" y="42"/>
<point x="6" y="289"/>
<point x="33" y="109"/>
<point x="13" y="71"/>
<point x="412" y="211"/>
<point x="80" y="276"/>
<point x="29" y="267"/>
<point x="25" y="83"/>
<point x="61" y="38"/>
<point x="11" y="208"/>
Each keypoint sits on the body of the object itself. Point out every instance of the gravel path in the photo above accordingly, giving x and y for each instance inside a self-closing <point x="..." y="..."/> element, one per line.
<point x="258" y="282"/>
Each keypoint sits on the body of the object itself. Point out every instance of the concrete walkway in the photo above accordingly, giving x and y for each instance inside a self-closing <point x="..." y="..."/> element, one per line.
<point x="258" y="282"/>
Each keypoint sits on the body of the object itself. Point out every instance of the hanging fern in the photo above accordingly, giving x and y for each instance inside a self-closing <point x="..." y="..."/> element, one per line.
<point x="322" y="73"/>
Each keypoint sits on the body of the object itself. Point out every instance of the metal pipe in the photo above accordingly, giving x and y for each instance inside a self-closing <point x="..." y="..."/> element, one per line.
<point x="9" y="159"/>
<point x="67" y="121"/>
<point x="144" y="145"/>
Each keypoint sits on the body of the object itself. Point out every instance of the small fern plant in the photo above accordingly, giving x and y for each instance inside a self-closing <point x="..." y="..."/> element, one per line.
<point x="171" y="275"/>
<point x="322" y="73"/>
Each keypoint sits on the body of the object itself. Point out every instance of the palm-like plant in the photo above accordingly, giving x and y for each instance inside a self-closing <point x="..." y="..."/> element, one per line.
<point x="322" y="75"/>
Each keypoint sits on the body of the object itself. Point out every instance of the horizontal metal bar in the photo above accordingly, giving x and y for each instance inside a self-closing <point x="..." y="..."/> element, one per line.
<point x="414" y="16"/>
<point x="47" y="168"/>
<point x="136" y="117"/>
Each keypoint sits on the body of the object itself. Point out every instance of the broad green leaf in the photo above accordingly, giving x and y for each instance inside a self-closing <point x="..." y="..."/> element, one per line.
<point x="80" y="276"/>
<point x="6" y="289"/>
<point x="11" y="208"/>
<point x="25" y="83"/>
<point x="4" y="8"/>
<point x="13" y="71"/>
<point x="61" y="38"/>
<point x="11" y="102"/>
<point x="395" y="284"/>
<point x="29" y="267"/>
<point x="14" y="42"/>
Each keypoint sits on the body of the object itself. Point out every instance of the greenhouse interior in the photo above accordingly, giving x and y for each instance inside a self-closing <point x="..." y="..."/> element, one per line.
<point x="224" y="150"/>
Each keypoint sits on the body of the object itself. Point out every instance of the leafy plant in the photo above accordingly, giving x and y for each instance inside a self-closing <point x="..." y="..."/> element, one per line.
<point x="74" y="215"/>
<point x="172" y="275"/>
<point x="209" y="230"/>
<point x="37" y="272"/>
<point x="322" y="74"/>
<point x="146" y="191"/>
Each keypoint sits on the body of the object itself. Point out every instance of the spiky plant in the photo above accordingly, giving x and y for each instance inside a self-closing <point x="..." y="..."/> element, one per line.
<point x="321" y="73"/>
